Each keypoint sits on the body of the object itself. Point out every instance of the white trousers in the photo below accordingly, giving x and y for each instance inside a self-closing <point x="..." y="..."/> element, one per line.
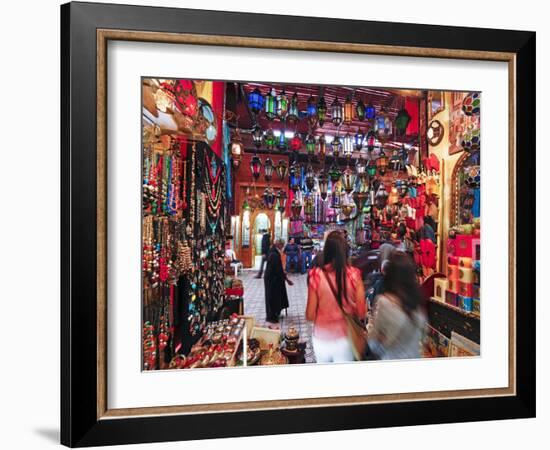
<point x="332" y="350"/>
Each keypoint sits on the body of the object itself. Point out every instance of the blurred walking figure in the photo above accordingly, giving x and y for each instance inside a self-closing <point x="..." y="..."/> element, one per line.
<point x="266" y="244"/>
<point x="276" y="298"/>
<point x="332" y="287"/>
<point x="399" y="317"/>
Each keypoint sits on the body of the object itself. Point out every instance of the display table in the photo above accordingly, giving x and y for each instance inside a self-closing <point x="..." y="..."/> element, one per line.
<point x="447" y="318"/>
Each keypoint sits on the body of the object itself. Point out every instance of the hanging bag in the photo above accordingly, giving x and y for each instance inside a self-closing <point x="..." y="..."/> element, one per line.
<point x="357" y="333"/>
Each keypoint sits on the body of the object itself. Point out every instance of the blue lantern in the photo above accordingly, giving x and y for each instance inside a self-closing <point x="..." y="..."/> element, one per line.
<point x="370" y="112"/>
<point x="256" y="101"/>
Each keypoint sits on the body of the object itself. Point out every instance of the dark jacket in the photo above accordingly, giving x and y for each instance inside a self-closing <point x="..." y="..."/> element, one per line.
<point x="276" y="298"/>
<point x="266" y="243"/>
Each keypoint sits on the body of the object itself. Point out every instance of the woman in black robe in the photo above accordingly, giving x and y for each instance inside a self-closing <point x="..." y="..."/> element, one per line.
<point x="276" y="298"/>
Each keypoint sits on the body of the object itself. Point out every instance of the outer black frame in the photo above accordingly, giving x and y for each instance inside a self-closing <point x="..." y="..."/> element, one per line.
<point x="79" y="425"/>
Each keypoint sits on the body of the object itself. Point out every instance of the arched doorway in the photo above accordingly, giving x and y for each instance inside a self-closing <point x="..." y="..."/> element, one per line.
<point x="261" y="222"/>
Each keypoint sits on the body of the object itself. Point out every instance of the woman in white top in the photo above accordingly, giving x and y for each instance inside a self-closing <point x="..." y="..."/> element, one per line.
<point x="399" y="320"/>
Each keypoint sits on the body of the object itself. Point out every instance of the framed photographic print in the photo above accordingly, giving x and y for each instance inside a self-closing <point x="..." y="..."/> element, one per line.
<point x="257" y="221"/>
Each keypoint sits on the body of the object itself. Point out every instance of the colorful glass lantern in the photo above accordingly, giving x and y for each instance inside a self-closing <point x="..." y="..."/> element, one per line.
<point x="371" y="169"/>
<point x="402" y="121"/>
<point x="256" y="101"/>
<point x="336" y="145"/>
<point x="371" y="140"/>
<point x="360" y="168"/>
<point x="293" y="112"/>
<point x="269" y="197"/>
<point x="471" y="140"/>
<point x="370" y="112"/>
<point x="309" y="207"/>
<point x="257" y="136"/>
<point x="335" y="200"/>
<point x="360" y="110"/>
<point x="281" y="169"/>
<point x="471" y="104"/>
<point x="296" y="208"/>
<point x="322" y="182"/>
<point x="402" y="187"/>
<point x="382" y="163"/>
<point x="268" y="169"/>
<point x="282" y="105"/>
<point x="348" y="179"/>
<point x="337" y="112"/>
<point x="358" y="140"/>
<point x="312" y="111"/>
<point x="271" y="105"/>
<point x="270" y="139"/>
<point x="246" y="205"/>
<point x="281" y="199"/>
<point x="334" y="173"/>
<point x="295" y="175"/>
<point x="348" y="145"/>
<point x="281" y="143"/>
<point x="310" y="144"/>
<point x="310" y="178"/>
<point x="256" y="166"/>
<point x="383" y="125"/>
<point x="348" y="110"/>
<point x="237" y="149"/>
<point x="322" y="147"/>
<point x="396" y="161"/>
<point x="381" y="197"/>
<point x="296" y="142"/>
<point x="321" y="111"/>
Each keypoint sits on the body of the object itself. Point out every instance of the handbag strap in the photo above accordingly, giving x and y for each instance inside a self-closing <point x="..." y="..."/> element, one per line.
<point x="334" y="292"/>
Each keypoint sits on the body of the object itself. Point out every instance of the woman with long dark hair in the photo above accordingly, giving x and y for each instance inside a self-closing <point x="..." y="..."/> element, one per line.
<point x="332" y="287"/>
<point x="399" y="317"/>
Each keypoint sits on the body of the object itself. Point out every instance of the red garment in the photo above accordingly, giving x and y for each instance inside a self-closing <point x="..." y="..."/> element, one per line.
<point x="428" y="253"/>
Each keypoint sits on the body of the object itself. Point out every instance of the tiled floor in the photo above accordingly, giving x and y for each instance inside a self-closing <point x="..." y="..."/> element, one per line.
<point x="254" y="305"/>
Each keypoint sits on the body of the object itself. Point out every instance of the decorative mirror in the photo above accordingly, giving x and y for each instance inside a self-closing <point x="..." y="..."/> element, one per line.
<point x="435" y="132"/>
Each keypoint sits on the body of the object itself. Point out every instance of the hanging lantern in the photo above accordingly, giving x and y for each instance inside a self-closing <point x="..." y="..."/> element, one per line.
<point x="257" y="136"/>
<point x="282" y="169"/>
<point x="295" y="175"/>
<point x="282" y="105"/>
<point x="348" y="180"/>
<point x="347" y="208"/>
<point x="236" y="150"/>
<point x="281" y="199"/>
<point x="383" y="125"/>
<point x="310" y="178"/>
<point x="334" y="173"/>
<point x="293" y="112"/>
<point x="296" y="142"/>
<point x="256" y="101"/>
<point x="381" y="197"/>
<point x="270" y="139"/>
<point x="336" y="145"/>
<point x="382" y="163"/>
<point x="271" y="105"/>
<point x="371" y="169"/>
<point x="312" y="111"/>
<point x="370" y="112"/>
<point x="360" y="168"/>
<point x="256" y="166"/>
<point x="358" y="139"/>
<point x="348" y="110"/>
<point x="360" y="110"/>
<point x="296" y="208"/>
<point x="335" y="199"/>
<point x="310" y="144"/>
<point x="281" y="144"/>
<point x="348" y="146"/>
<point x="402" y="187"/>
<point x="269" y="197"/>
<point x="371" y="140"/>
<point x="336" y="112"/>
<point x="360" y="197"/>
<point x="246" y="205"/>
<point x="395" y="161"/>
<point x="322" y="181"/>
<point x="309" y="207"/>
<point x="268" y="169"/>
<point x="402" y="121"/>
<point x="322" y="147"/>
<point x="321" y="111"/>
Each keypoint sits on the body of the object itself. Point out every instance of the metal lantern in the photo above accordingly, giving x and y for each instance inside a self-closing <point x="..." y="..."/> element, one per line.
<point x="360" y="110"/>
<point x="321" y="111"/>
<point x="309" y="207"/>
<point x="348" y="110"/>
<point x="293" y="112"/>
<point x="281" y="169"/>
<point x="348" y="146"/>
<point x="336" y="145"/>
<point x="310" y="178"/>
<point x="348" y="180"/>
<point x="237" y="149"/>
<point x="296" y="208"/>
<point x="371" y="140"/>
<point x="382" y="163"/>
<point x="310" y="144"/>
<point x="371" y="169"/>
<point x="282" y="105"/>
<point x="358" y="139"/>
<point x="256" y="101"/>
<point x="270" y="139"/>
<point x="322" y="147"/>
<point x="281" y="199"/>
<point x="295" y="175"/>
<point x="296" y="142"/>
<point x="381" y="196"/>
<point x="312" y="111"/>
<point x="360" y="168"/>
<point x="337" y="112"/>
<point x="402" y="187"/>
<point x="269" y="197"/>
<point x="370" y="112"/>
<point x="322" y="182"/>
<point x="402" y="121"/>
<point x="256" y="166"/>
<point x="281" y="144"/>
<point x="257" y="136"/>
<point x="334" y="173"/>
<point x="271" y="105"/>
<point x="383" y="125"/>
<point x="268" y="169"/>
<point x="396" y="161"/>
<point x="335" y="200"/>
